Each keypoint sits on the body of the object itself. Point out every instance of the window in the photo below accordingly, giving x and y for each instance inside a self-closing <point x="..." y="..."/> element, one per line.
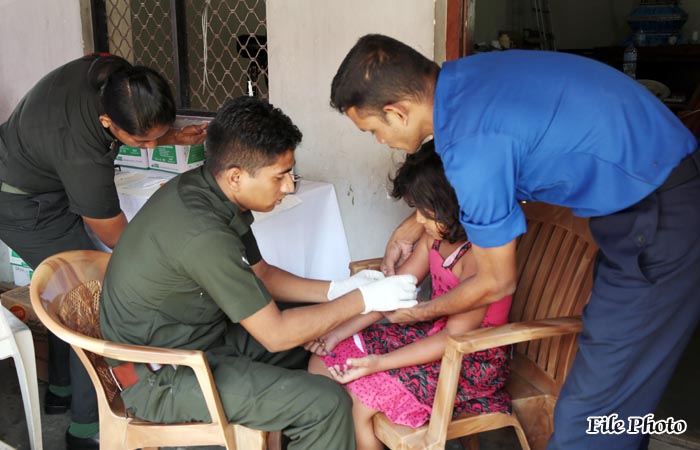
<point x="209" y="51"/>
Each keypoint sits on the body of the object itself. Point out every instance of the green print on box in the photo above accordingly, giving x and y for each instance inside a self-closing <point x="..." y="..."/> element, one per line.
<point x="177" y="158"/>
<point x="21" y="272"/>
<point x="132" y="157"/>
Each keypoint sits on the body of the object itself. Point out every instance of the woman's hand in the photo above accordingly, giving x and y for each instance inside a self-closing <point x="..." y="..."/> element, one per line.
<point x="189" y="135"/>
<point x="355" y="368"/>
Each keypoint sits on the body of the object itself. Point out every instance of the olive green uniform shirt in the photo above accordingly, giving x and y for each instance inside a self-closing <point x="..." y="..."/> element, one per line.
<point x="54" y="141"/>
<point x="182" y="269"/>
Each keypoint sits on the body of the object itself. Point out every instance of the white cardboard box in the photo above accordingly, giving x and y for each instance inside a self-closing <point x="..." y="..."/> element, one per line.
<point x="176" y="158"/>
<point x="132" y="157"/>
<point x="22" y="275"/>
<point x="21" y="271"/>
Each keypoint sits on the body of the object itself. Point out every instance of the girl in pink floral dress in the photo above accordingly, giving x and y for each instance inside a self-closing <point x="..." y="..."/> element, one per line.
<point x="393" y="368"/>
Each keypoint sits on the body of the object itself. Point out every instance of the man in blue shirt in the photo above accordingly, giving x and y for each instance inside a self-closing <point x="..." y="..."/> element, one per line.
<point x="557" y="128"/>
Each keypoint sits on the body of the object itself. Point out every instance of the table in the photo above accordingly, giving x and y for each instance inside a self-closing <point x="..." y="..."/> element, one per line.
<point x="304" y="235"/>
<point x="308" y="239"/>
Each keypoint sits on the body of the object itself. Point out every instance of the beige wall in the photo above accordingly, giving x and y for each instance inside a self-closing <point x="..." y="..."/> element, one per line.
<point x="307" y="41"/>
<point x="35" y="37"/>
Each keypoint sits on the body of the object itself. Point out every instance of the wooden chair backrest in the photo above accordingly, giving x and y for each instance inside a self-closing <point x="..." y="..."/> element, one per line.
<point x="555" y="259"/>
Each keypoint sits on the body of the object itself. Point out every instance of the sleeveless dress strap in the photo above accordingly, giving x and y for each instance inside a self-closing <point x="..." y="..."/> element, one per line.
<point x="451" y="260"/>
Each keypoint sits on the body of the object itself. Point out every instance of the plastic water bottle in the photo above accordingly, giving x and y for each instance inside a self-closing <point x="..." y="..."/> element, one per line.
<point x="629" y="61"/>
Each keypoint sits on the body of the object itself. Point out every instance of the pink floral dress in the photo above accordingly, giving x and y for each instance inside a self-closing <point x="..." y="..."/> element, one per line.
<point x="406" y="394"/>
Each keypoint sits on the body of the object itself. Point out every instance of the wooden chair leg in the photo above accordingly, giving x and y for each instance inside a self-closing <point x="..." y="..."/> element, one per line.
<point x="274" y="440"/>
<point x="521" y="437"/>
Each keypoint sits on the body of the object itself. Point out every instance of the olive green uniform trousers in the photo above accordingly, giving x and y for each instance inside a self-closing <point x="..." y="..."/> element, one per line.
<point x="258" y="389"/>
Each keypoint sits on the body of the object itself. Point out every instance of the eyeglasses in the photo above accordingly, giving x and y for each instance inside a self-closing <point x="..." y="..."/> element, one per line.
<point x="295" y="179"/>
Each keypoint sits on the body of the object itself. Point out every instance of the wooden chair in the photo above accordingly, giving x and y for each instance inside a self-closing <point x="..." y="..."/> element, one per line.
<point x="555" y="264"/>
<point x="65" y="293"/>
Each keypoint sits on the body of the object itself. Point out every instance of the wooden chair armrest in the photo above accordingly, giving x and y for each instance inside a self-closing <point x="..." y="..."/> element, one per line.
<point x="194" y="359"/>
<point x="372" y="263"/>
<point x="476" y="340"/>
<point x="512" y="333"/>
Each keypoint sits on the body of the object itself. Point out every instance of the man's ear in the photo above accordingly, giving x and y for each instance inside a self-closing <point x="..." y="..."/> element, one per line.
<point x="233" y="178"/>
<point x="105" y="120"/>
<point x="399" y="109"/>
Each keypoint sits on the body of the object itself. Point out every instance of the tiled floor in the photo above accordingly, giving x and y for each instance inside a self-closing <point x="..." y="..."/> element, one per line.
<point x="681" y="402"/>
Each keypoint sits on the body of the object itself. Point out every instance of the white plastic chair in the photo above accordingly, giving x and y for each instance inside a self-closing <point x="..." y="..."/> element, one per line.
<point x="16" y="342"/>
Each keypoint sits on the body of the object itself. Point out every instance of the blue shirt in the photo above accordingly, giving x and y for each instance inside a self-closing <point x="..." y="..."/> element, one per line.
<point x="551" y="127"/>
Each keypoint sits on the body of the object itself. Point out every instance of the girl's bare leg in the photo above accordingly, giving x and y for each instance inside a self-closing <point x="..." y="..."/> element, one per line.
<point x="318" y="367"/>
<point x="364" y="429"/>
<point x="361" y="414"/>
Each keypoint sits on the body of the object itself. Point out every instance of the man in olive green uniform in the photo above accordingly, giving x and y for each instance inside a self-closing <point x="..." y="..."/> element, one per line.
<point x="187" y="273"/>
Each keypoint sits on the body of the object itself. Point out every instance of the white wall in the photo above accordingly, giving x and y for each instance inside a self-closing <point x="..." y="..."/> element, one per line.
<point x="307" y="41"/>
<point x="35" y="37"/>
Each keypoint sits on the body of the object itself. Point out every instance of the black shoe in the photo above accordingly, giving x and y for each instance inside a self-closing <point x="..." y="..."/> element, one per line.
<point x="76" y="443"/>
<point x="55" y="404"/>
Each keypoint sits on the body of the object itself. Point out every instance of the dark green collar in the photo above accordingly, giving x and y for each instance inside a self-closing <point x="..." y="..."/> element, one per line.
<point x="241" y="220"/>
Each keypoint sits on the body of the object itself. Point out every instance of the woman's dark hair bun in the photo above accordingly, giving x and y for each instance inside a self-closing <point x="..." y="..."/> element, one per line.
<point x="103" y="67"/>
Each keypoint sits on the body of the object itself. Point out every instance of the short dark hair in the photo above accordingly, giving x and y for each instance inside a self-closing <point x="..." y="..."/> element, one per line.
<point x="422" y="183"/>
<point x="379" y="71"/>
<point x="250" y="134"/>
<point x="136" y="98"/>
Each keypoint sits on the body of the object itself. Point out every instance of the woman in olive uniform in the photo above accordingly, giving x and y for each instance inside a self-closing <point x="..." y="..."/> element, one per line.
<point x="57" y="152"/>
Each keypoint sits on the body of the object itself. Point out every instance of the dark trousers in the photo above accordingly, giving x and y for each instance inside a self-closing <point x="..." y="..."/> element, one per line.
<point x="258" y="389"/>
<point x="644" y="307"/>
<point x="36" y="227"/>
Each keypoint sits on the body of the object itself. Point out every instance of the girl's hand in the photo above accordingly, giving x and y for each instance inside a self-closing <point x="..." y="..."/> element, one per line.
<point x="355" y="368"/>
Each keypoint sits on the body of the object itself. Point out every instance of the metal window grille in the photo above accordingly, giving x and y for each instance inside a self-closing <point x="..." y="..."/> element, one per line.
<point x="209" y="51"/>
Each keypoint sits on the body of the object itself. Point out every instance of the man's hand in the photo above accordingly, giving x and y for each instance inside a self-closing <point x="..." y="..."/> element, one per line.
<point x="341" y="287"/>
<point x="390" y="293"/>
<point x="189" y="135"/>
<point x="396" y="253"/>
<point x="355" y="368"/>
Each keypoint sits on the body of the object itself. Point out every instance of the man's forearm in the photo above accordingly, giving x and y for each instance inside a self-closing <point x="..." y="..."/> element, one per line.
<point x="409" y="230"/>
<point x="469" y="294"/>
<point x="288" y="287"/>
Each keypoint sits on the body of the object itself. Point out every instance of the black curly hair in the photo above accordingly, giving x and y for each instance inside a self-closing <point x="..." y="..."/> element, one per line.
<point x="250" y="134"/>
<point x="422" y="183"/>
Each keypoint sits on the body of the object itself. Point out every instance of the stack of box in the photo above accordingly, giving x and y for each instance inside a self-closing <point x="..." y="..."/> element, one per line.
<point x="21" y="271"/>
<point x="169" y="158"/>
<point x="18" y="302"/>
<point x="132" y="157"/>
<point x="176" y="158"/>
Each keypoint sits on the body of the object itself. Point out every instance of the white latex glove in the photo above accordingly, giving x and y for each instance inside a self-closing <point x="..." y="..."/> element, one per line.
<point x="339" y="288"/>
<point x="390" y="293"/>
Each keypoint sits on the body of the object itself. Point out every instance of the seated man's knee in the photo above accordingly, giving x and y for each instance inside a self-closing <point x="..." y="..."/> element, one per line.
<point x="331" y="397"/>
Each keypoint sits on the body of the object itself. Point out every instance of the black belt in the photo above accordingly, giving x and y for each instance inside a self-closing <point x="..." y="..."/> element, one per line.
<point x="686" y="170"/>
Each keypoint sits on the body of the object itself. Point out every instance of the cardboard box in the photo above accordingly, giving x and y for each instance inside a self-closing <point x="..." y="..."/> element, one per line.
<point x="22" y="275"/>
<point x="18" y="302"/>
<point x="176" y="158"/>
<point x="21" y="271"/>
<point x="132" y="157"/>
